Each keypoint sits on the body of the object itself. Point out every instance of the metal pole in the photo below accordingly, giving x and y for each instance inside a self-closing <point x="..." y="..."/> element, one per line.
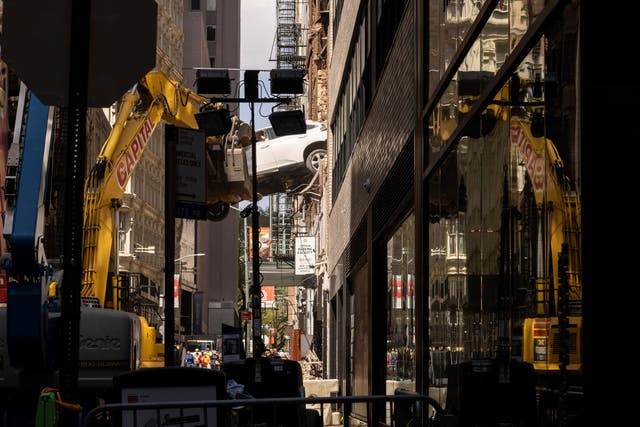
<point x="247" y="296"/>
<point x="115" y="280"/>
<point x="194" y="330"/>
<point x="251" y="91"/>
<point x="74" y="199"/>
<point x="171" y="135"/>
<point x="178" y="325"/>
<point x="256" y="293"/>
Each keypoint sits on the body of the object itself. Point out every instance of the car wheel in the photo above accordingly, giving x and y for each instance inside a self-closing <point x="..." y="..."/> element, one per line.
<point x="313" y="159"/>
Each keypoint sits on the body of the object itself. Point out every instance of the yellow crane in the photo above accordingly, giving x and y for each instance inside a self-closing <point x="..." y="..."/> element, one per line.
<point x="154" y="99"/>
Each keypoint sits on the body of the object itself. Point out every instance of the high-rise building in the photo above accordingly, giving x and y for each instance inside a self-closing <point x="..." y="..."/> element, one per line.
<point x="191" y="34"/>
<point x="141" y="216"/>
<point x="211" y="40"/>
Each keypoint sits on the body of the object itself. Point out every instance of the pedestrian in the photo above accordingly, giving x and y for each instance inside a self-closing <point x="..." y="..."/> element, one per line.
<point x="189" y="359"/>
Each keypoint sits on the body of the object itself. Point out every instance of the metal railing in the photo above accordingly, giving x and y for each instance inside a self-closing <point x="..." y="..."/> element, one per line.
<point x="404" y="408"/>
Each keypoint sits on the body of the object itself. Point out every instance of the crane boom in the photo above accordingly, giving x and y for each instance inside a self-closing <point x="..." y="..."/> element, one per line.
<point x="153" y="99"/>
<point x="559" y="209"/>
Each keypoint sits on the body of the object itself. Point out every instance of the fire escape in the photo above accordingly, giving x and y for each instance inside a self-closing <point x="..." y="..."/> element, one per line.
<point x="291" y="39"/>
<point x="281" y="229"/>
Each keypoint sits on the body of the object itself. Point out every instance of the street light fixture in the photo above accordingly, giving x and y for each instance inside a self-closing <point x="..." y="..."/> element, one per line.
<point x="292" y="82"/>
<point x="210" y="81"/>
<point x="286" y="81"/>
<point x="288" y="122"/>
<point x="214" y="122"/>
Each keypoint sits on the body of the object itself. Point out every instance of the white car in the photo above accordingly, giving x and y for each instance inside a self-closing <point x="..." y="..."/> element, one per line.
<point x="285" y="161"/>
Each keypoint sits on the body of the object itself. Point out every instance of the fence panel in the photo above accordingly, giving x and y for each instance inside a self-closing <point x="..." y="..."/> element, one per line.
<point x="402" y="409"/>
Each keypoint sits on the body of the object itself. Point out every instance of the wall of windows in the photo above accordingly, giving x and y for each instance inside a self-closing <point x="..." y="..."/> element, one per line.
<point x="503" y="208"/>
<point x="483" y="252"/>
<point x="353" y="103"/>
<point x="401" y="338"/>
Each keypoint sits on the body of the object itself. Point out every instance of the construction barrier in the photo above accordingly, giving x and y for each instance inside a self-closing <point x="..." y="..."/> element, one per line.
<point x="402" y="409"/>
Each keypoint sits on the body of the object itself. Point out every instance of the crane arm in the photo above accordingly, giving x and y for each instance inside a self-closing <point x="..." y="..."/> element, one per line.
<point x="554" y="199"/>
<point x="155" y="98"/>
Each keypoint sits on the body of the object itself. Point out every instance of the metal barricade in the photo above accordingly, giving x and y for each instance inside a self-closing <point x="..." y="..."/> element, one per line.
<point x="402" y="409"/>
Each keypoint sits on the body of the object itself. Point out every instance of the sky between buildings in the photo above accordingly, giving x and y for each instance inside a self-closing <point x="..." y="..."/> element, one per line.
<point x="257" y="47"/>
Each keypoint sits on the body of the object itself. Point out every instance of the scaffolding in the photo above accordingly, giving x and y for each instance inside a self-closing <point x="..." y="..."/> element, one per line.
<point x="281" y="229"/>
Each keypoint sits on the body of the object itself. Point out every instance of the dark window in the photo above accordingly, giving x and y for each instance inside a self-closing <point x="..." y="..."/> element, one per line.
<point x="211" y="33"/>
<point x="389" y="17"/>
<point x="195" y="4"/>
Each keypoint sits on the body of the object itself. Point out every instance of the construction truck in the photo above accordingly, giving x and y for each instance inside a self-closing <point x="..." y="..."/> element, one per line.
<point x="549" y="205"/>
<point x="112" y="340"/>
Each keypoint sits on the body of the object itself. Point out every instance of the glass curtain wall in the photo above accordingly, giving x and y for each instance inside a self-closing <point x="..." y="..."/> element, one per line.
<point x="401" y="338"/>
<point x="504" y="260"/>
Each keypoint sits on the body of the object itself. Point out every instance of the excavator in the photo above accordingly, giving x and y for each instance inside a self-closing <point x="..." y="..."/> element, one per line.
<point x="536" y="353"/>
<point x="155" y="98"/>
<point x="549" y="207"/>
<point x="560" y="292"/>
<point x="112" y="340"/>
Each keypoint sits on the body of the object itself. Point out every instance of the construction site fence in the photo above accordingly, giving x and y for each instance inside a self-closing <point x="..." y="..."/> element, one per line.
<point x="404" y="408"/>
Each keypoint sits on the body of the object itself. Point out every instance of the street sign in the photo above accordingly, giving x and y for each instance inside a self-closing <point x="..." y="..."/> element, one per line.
<point x="305" y="254"/>
<point x="36" y="45"/>
<point x="191" y="174"/>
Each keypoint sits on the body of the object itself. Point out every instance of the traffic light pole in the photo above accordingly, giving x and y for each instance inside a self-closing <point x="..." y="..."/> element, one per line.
<point x="251" y="96"/>
<point x="256" y="292"/>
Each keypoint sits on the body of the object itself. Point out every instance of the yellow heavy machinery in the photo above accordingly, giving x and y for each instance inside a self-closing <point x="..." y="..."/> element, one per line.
<point x="528" y="310"/>
<point x="154" y="99"/>
<point x="559" y="292"/>
<point x="112" y="340"/>
<point x="551" y="323"/>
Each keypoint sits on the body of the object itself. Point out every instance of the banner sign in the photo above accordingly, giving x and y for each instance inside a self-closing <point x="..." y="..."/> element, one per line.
<point x="305" y="254"/>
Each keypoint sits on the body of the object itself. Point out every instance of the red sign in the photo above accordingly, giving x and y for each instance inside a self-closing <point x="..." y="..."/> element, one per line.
<point x="3" y="288"/>
<point x="245" y="315"/>
<point x="268" y="294"/>
<point x="176" y="290"/>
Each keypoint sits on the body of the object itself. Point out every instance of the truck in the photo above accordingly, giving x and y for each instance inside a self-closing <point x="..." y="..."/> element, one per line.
<point x="112" y="340"/>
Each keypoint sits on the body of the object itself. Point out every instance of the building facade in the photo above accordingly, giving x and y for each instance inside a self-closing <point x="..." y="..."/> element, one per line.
<point x="191" y="34"/>
<point x="453" y="214"/>
<point x="141" y="216"/>
<point x="211" y="40"/>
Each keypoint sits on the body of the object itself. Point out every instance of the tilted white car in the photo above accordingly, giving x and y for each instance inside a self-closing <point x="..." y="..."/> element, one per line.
<point x="286" y="161"/>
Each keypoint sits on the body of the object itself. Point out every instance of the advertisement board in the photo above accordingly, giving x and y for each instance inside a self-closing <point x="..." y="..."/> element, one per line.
<point x="264" y="250"/>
